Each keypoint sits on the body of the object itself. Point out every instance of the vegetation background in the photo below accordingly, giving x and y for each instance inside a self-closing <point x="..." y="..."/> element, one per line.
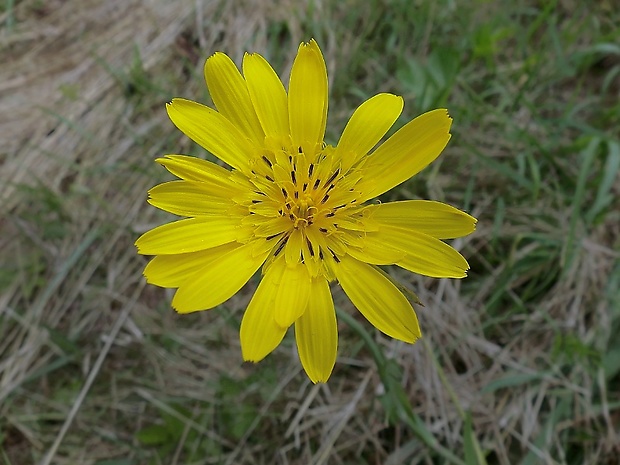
<point x="520" y="363"/>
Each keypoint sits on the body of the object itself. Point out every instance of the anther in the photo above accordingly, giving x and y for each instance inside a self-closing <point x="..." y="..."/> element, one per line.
<point x="333" y="176"/>
<point x="293" y="177"/>
<point x="266" y="160"/>
<point x="325" y="198"/>
<point x="334" y="255"/>
<point x="268" y="178"/>
<point x="316" y="184"/>
<point x="310" y="169"/>
<point x="310" y="247"/>
<point x="280" y="247"/>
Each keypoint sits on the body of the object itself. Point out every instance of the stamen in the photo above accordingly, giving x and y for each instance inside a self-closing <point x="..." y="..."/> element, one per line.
<point x="316" y="184"/>
<point x="280" y="247"/>
<point x="268" y="238"/>
<point x="284" y="193"/>
<point x="330" y="214"/>
<point x="266" y="160"/>
<point x="310" y="169"/>
<point x="268" y="178"/>
<point x="325" y="198"/>
<point x="333" y="176"/>
<point x="310" y="247"/>
<point x="293" y="177"/>
<point x="334" y="255"/>
<point x="323" y="230"/>
<point x="305" y="186"/>
<point x="320" y="253"/>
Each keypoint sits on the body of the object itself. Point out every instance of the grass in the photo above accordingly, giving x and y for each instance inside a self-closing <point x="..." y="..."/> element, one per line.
<point x="519" y="363"/>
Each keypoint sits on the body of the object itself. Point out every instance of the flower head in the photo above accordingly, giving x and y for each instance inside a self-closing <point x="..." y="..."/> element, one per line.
<point x="295" y="206"/>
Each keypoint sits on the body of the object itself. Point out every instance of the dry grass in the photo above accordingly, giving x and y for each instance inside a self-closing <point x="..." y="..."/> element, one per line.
<point x="95" y="367"/>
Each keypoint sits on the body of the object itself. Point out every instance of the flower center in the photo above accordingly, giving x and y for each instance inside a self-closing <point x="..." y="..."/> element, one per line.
<point x="303" y="204"/>
<point x="301" y="211"/>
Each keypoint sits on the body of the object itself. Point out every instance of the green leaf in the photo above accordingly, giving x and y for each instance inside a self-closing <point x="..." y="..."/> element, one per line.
<point x="473" y="452"/>
<point x="154" y="435"/>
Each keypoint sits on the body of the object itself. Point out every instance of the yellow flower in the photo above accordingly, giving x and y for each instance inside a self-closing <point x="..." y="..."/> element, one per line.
<point x="295" y="207"/>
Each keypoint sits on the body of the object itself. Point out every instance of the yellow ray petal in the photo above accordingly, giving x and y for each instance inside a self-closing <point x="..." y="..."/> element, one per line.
<point x="173" y="270"/>
<point x="189" y="235"/>
<point x="307" y="98"/>
<point x="293" y="292"/>
<point x="316" y="333"/>
<point x="368" y="124"/>
<point x="230" y="95"/>
<point x="436" y="219"/>
<point x="378" y="299"/>
<point x="212" y="131"/>
<point x="259" y="333"/>
<point x="197" y="169"/>
<point x="406" y="153"/>
<point x="267" y="94"/>
<point x="373" y="250"/>
<point x="292" y="250"/>
<point x="218" y="281"/>
<point x="187" y="198"/>
<point x="424" y="254"/>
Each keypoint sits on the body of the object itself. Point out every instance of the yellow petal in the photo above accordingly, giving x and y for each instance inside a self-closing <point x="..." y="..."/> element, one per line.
<point x="212" y="131"/>
<point x="230" y="96"/>
<point x="218" y="281"/>
<point x="406" y="153"/>
<point x="316" y="333"/>
<point x="189" y="235"/>
<point x="307" y="98"/>
<point x="436" y="219"/>
<point x="259" y="333"/>
<point x="293" y="292"/>
<point x="187" y="198"/>
<point x="383" y="305"/>
<point x="197" y="169"/>
<point x="267" y="94"/>
<point x="173" y="270"/>
<point x="368" y="124"/>
<point x="424" y="254"/>
<point x="372" y="249"/>
<point x="292" y="250"/>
